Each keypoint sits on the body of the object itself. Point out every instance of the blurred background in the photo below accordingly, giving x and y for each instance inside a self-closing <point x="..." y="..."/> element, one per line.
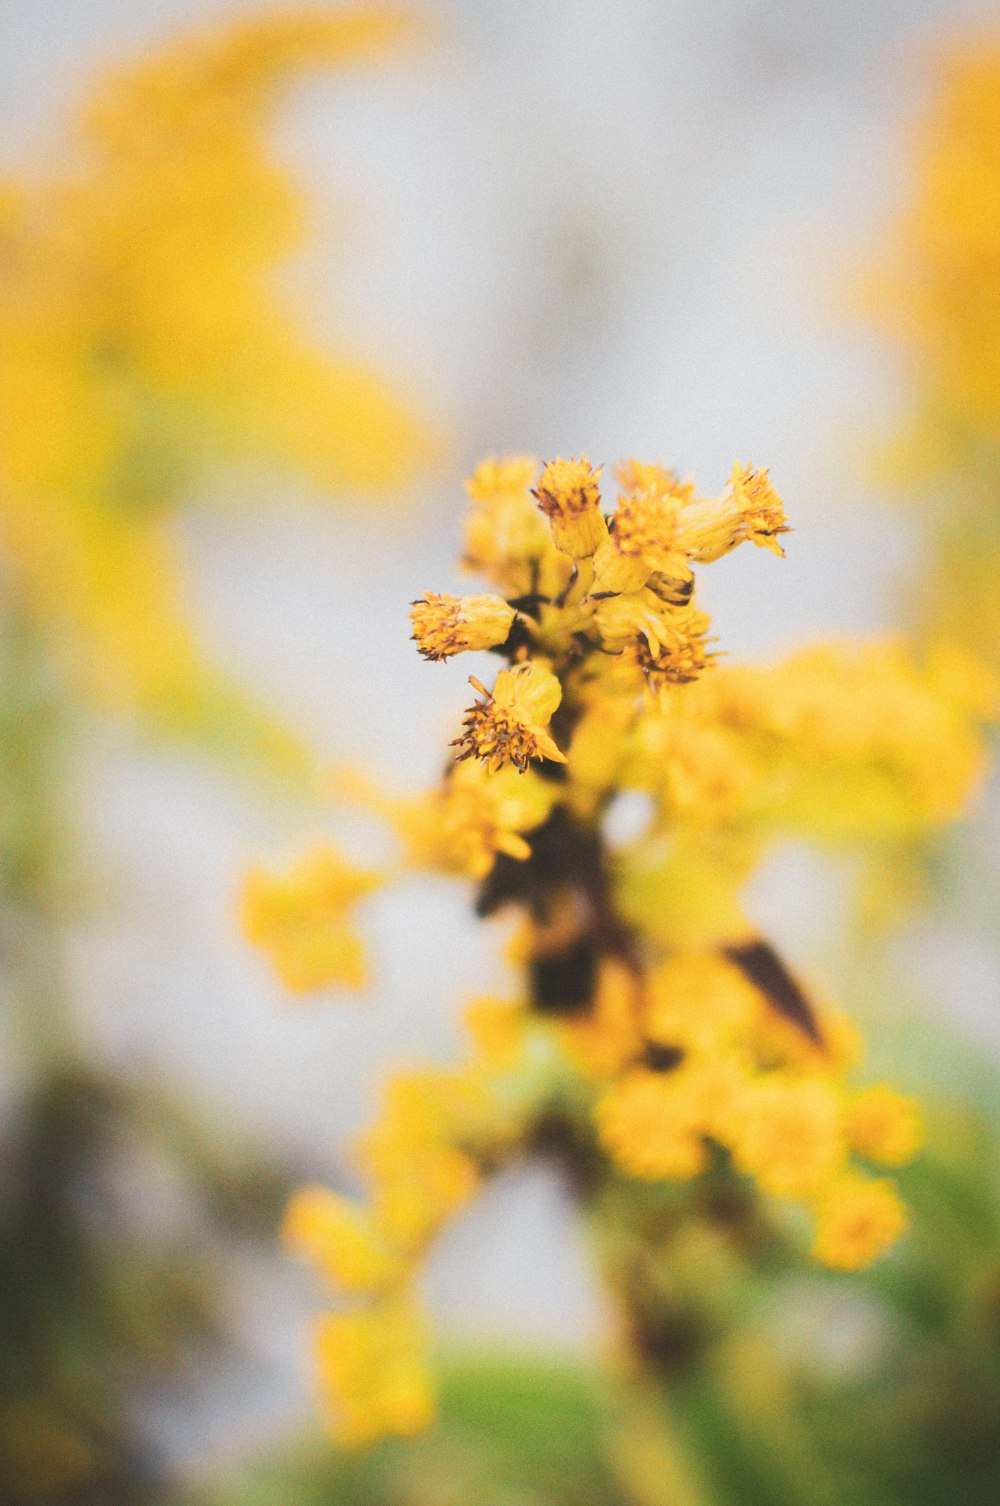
<point x="625" y="229"/>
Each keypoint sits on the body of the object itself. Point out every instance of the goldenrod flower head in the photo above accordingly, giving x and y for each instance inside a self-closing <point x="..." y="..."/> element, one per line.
<point x="476" y="814"/>
<point x="790" y="1136"/>
<point x="646" y="526"/>
<point x="938" y="292"/>
<point x="750" y="510"/>
<point x="622" y="621"/>
<point x="637" y="476"/>
<point x="412" y="1203"/>
<point x="609" y="1037"/>
<point x="700" y="1001"/>
<point x="338" y="1238"/>
<point x="761" y="511"/>
<point x="446" y="625"/>
<point x="569" y="494"/>
<point x="302" y="920"/>
<point x="497" y="1029"/>
<point x="506" y="540"/>
<point x="496" y="479"/>
<point x="423" y="1111"/>
<point x="508" y="724"/>
<point x="856" y="1219"/>
<point x="373" y="1372"/>
<point x="683" y="653"/>
<point x="652" y="1125"/>
<point x="884" y="1126"/>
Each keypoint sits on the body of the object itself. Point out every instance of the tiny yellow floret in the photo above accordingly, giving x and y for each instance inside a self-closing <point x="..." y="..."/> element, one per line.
<point x="338" y="1239"/>
<point x="569" y="495"/>
<point x="652" y="1126"/>
<point x="856" y="1220"/>
<point x="373" y="1373"/>
<point x="790" y="1137"/>
<point x="508" y="724"/>
<point x="446" y="625"/>
<point x="884" y="1126"/>
<point x="302" y="920"/>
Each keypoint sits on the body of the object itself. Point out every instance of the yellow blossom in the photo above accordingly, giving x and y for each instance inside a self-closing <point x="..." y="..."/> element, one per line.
<point x="652" y="1125"/>
<point x="302" y="920"/>
<point x="373" y="1370"/>
<point x="446" y="625"/>
<point x="143" y="345"/>
<point x="569" y="495"/>
<point x="479" y="813"/>
<point x="496" y="1028"/>
<point x="641" y="476"/>
<point x="463" y="824"/>
<point x="609" y="1036"/>
<point x="884" y="1126"/>
<point x="339" y="1240"/>
<point x="413" y="1202"/>
<point x="856" y="1220"/>
<point x="508" y="725"/>
<point x="750" y="510"/>
<point x="643" y="540"/>
<point x="505" y="538"/>
<point x="699" y="1001"/>
<point x="790" y="1135"/>
<point x="622" y="621"/>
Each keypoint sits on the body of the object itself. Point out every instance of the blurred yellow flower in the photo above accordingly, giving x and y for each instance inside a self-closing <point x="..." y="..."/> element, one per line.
<point x="857" y="1220"/>
<point x="374" y="1375"/>
<point x="302" y="919"/>
<point x="142" y="343"/>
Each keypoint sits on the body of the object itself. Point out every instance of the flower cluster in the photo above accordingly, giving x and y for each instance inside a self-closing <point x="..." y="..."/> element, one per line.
<point x="653" y="1040"/>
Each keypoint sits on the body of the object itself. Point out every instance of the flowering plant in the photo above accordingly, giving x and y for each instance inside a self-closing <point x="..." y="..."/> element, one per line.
<point x="655" y="1045"/>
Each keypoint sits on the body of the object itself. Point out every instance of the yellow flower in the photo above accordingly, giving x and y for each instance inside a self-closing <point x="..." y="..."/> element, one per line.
<point x="302" y="920"/>
<point x="699" y="1001"/>
<point x="569" y="495"/>
<point x="143" y="345"/>
<point x="339" y="1240"/>
<point x="505" y="538"/>
<point x="623" y="620"/>
<point x="643" y="540"/>
<point x="495" y="479"/>
<point x="446" y="625"/>
<point x="476" y="814"/>
<point x="413" y="1202"/>
<point x="790" y="1136"/>
<point x="652" y="1125"/>
<point x="508" y="725"/>
<point x="884" y="1126"/>
<point x="750" y="510"/>
<point x="635" y="476"/>
<point x="681" y="657"/>
<point x="856" y="1220"/>
<point x="373" y="1372"/>
<point x="496" y="1028"/>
